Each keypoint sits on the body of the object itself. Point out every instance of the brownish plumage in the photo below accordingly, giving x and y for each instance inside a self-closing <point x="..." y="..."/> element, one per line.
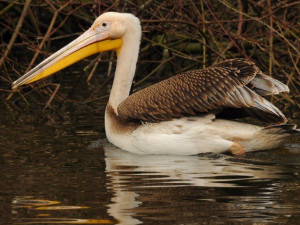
<point x="229" y="84"/>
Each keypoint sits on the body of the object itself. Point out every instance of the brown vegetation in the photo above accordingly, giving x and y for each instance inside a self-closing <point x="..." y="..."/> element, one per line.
<point x="177" y="36"/>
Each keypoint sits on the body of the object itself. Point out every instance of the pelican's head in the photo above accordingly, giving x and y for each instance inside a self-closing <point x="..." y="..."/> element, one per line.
<point x="108" y="32"/>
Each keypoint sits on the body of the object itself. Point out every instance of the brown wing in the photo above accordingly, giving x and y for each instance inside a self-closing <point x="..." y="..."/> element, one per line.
<point x="223" y="85"/>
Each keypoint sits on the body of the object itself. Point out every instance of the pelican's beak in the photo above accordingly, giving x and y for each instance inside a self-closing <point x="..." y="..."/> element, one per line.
<point x="89" y="43"/>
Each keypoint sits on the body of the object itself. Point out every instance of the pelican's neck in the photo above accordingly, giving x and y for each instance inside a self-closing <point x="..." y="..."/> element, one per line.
<point x="126" y="65"/>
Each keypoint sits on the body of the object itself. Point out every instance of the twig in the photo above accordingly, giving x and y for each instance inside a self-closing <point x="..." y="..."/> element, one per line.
<point x="203" y="31"/>
<point x="152" y="72"/>
<point x="271" y="54"/>
<point x="6" y="9"/>
<point x="52" y="96"/>
<point x="92" y="72"/>
<point x="14" y="36"/>
<point x="275" y="31"/>
<point x="46" y="36"/>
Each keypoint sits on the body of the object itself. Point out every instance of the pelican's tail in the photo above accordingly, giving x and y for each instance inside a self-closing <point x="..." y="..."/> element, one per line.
<point x="285" y="130"/>
<point x="278" y="134"/>
<point x="270" y="137"/>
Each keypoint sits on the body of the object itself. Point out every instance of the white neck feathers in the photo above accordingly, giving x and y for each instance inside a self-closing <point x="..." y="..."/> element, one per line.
<point x="126" y="63"/>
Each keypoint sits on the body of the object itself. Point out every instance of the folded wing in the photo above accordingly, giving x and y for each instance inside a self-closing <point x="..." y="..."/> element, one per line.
<point x="236" y="83"/>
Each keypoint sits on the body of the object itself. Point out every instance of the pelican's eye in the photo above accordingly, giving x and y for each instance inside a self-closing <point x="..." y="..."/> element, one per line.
<point x="104" y="26"/>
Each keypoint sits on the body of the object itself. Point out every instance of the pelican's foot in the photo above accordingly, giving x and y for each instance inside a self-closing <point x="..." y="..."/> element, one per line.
<point x="236" y="149"/>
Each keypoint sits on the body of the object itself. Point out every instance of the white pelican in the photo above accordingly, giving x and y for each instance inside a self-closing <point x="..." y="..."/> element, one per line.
<point x="177" y="115"/>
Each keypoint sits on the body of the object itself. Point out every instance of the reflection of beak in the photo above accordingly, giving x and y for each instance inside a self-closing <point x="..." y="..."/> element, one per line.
<point x="89" y="43"/>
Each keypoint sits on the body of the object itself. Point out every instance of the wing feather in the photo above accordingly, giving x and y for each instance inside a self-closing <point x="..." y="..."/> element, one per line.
<point x="266" y="85"/>
<point x="231" y="83"/>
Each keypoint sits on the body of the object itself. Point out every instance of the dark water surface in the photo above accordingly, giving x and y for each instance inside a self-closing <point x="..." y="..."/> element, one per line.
<point x="59" y="172"/>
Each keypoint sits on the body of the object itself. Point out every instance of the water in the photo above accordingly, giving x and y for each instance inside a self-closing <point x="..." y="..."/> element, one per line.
<point x="59" y="169"/>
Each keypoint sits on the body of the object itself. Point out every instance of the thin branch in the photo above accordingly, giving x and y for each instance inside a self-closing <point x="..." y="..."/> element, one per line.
<point x="14" y="36"/>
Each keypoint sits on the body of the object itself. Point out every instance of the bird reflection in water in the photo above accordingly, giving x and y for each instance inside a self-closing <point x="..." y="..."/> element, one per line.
<point x="159" y="186"/>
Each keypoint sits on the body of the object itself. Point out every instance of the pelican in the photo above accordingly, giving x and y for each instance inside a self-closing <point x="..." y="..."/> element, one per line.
<point x="176" y="115"/>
